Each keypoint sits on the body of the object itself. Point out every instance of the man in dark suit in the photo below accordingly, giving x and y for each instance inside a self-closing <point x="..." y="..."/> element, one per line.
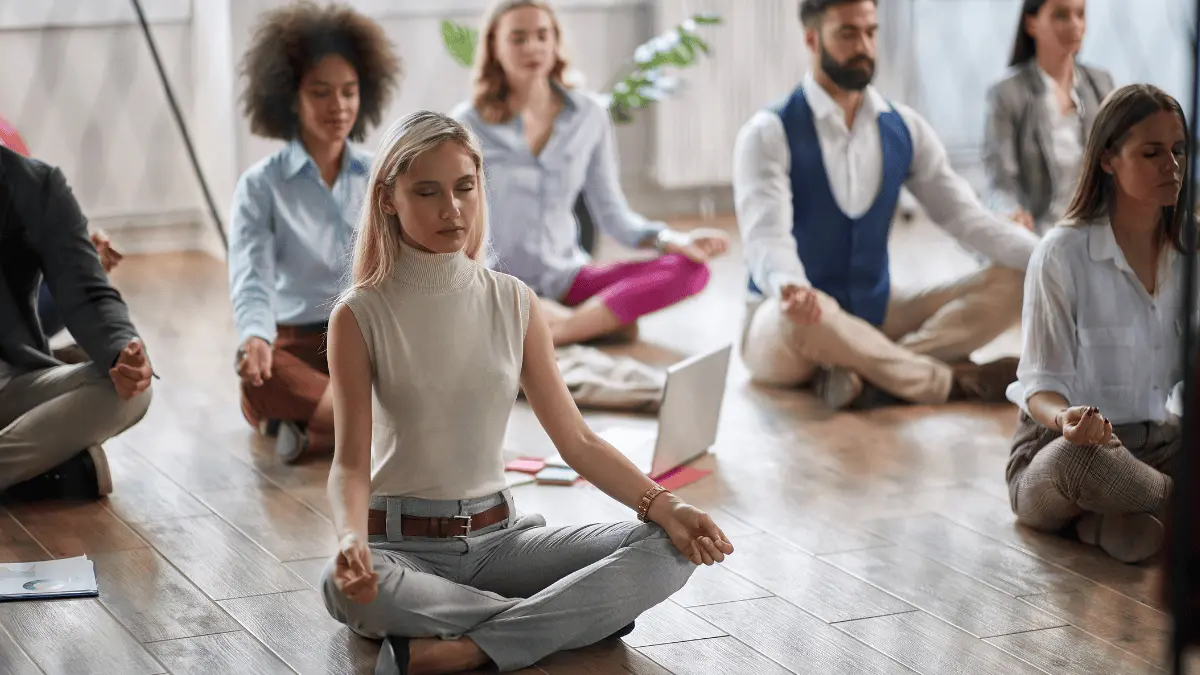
<point x="54" y="416"/>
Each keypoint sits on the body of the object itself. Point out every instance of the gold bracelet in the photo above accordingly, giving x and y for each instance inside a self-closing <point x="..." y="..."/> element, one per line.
<point x="647" y="499"/>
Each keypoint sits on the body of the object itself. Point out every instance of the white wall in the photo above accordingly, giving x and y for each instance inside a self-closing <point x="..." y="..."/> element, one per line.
<point x="79" y="84"/>
<point x="963" y="46"/>
<point x="602" y="34"/>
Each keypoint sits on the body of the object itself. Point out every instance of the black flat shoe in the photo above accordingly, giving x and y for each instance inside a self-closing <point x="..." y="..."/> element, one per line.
<point x="624" y="631"/>
<point x="393" y="657"/>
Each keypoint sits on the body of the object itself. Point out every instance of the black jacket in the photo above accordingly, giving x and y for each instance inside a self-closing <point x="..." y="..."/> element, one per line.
<point x="43" y="233"/>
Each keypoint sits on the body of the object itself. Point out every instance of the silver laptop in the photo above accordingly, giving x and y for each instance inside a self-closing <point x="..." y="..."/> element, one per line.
<point x="687" y="418"/>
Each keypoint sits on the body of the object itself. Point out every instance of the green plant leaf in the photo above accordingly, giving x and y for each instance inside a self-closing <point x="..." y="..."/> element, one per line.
<point x="696" y="43"/>
<point x="649" y="79"/>
<point x="686" y="50"/>
<point x="460" y="42"/>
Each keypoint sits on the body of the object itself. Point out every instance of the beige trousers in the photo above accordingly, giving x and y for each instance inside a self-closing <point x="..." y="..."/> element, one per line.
<point x="907" y="356"/>
<point x="48" y="416"/>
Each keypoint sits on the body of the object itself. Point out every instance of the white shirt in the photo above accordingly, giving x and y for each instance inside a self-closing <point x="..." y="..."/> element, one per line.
<point x="1065" y="152"/>
<point x="854" y="162"/>
<point x="1092" y="333"/>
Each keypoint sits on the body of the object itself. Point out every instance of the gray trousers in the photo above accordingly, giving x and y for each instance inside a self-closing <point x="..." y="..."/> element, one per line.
<point x="1053" y="481"/>
<point x="49" y="415"/>
<point x="520" y="590"/>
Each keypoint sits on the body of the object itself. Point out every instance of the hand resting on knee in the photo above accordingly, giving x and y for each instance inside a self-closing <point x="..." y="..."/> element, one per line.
<point x="800" y="304"/>
<point x="1084" y="425"/>
<point x="353" y="572"/>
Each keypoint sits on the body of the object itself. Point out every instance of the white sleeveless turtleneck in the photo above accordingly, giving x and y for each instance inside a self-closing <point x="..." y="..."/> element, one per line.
<point x="446" y="338"/>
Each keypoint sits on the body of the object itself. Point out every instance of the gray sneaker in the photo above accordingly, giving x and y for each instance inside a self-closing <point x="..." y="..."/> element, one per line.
<point x="837" y="387"/>
<point x="290" y="442"/>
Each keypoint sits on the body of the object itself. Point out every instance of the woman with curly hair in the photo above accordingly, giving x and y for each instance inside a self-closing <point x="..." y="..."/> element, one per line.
<point x="544" y="144"/>
<point x="316" y="78"/>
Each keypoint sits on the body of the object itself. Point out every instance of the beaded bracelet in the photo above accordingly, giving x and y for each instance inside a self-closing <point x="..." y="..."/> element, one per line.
<point x="647" y="499"/>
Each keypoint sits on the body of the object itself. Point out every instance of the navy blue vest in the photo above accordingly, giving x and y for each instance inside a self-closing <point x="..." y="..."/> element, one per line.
<point x="845" y="257"/>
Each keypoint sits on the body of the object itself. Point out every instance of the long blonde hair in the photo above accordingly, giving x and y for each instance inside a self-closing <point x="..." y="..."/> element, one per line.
<point x="491" y="85"/>
<point x="378" y="246"/>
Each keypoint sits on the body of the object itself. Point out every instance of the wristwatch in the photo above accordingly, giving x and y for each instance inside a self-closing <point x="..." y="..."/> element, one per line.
<point x="665" y="237"/>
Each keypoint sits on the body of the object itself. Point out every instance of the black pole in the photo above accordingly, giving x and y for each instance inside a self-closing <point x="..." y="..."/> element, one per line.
<point x="1181" y="508"/>
<point x="187" y="139"/>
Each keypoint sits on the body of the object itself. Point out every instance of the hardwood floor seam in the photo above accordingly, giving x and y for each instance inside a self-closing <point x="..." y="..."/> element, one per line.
<point x="876" y="616"/>
<point x="239" y="629"/>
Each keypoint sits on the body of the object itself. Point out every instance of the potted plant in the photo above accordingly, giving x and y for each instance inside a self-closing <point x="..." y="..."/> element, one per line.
<point x="644" y="78"/>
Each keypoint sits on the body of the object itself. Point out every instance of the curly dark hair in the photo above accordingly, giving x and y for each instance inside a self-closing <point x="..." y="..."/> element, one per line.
<point x="290" y="41"/>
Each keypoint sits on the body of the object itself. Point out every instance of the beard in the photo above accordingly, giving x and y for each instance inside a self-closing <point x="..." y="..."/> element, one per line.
<point x="853" y="75"/>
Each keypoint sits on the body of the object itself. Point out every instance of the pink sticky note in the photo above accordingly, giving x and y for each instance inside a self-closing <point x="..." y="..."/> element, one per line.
<point x="684" y="475"/>
<point x="525" y="465"/>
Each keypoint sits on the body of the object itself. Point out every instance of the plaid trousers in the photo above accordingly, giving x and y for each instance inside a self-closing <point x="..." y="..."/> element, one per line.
<point x="1051" y="481"/>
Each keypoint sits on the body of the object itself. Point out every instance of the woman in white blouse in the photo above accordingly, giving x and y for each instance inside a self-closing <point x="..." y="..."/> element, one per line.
<point x="1102" y="337"/>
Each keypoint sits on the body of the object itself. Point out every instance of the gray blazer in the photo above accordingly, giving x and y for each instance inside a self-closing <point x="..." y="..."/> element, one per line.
<point x="44" y="233"/>
<point x="1017" y="141"/>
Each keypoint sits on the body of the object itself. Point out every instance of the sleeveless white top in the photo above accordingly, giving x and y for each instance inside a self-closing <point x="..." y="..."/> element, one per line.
<point x="446" y="339"/>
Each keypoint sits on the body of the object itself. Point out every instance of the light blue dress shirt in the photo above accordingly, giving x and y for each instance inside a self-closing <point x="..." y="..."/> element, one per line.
<point x="291" y="239"/>
<point x="531" y="199"/>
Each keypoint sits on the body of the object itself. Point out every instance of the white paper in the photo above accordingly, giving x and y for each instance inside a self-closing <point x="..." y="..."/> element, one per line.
<point x="69" y="576"/>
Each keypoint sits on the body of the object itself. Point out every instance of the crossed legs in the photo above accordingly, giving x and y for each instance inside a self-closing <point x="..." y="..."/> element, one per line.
<point x="518" y="594"/>
<point x="909" y="356"/>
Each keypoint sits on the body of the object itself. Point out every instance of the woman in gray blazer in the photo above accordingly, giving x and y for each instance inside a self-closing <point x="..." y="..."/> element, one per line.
<point x="1040" y="114"/>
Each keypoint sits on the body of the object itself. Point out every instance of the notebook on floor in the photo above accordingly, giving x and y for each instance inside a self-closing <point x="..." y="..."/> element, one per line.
<point x="45" y="580"/>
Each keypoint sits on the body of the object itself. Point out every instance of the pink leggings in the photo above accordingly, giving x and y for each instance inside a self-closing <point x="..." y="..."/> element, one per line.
<point x="632" y="289"/>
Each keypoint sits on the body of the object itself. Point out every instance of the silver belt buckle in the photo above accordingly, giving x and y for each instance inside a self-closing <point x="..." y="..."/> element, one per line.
<point x="466" y="525"/>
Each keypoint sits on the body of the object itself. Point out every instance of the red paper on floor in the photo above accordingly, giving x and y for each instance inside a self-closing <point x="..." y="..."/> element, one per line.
<point x="526" y="465"/>
<point x="684" y="475"/>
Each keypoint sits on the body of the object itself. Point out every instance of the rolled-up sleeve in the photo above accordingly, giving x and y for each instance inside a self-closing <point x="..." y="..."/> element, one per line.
<point x="603" y="195"/>
<point x="1048" y="332"/>
<point x="952" y="204"/>
<point x="252" y="259"/>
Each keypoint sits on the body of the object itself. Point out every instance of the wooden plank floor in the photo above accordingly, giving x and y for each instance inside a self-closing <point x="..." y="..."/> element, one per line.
<point x="877" y="543"/>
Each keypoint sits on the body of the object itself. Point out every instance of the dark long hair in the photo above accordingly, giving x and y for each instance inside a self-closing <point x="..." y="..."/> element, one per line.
<point x="1024" y="46"/>
<point x="1120" y="112"/>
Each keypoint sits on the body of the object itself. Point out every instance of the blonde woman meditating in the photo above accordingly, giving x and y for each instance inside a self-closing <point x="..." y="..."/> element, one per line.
<point x="426" y="354"/>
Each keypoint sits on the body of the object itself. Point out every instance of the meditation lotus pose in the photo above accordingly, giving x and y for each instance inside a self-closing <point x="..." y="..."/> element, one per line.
<point x="55" y="416"/>
<point x="317" y="77"/>
<point x="544" y="143"/>
<point x="426" y="353"/>
<point x="1102" y="337"/>
<point x="816" y="182"/>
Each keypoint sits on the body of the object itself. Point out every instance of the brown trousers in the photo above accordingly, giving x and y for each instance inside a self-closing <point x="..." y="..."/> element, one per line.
<point x="1051" y="481"/>
<point x="299" y="377"/>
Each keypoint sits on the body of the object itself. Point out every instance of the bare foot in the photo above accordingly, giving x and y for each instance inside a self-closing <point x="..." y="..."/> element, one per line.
<point x="432" y="656"/>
